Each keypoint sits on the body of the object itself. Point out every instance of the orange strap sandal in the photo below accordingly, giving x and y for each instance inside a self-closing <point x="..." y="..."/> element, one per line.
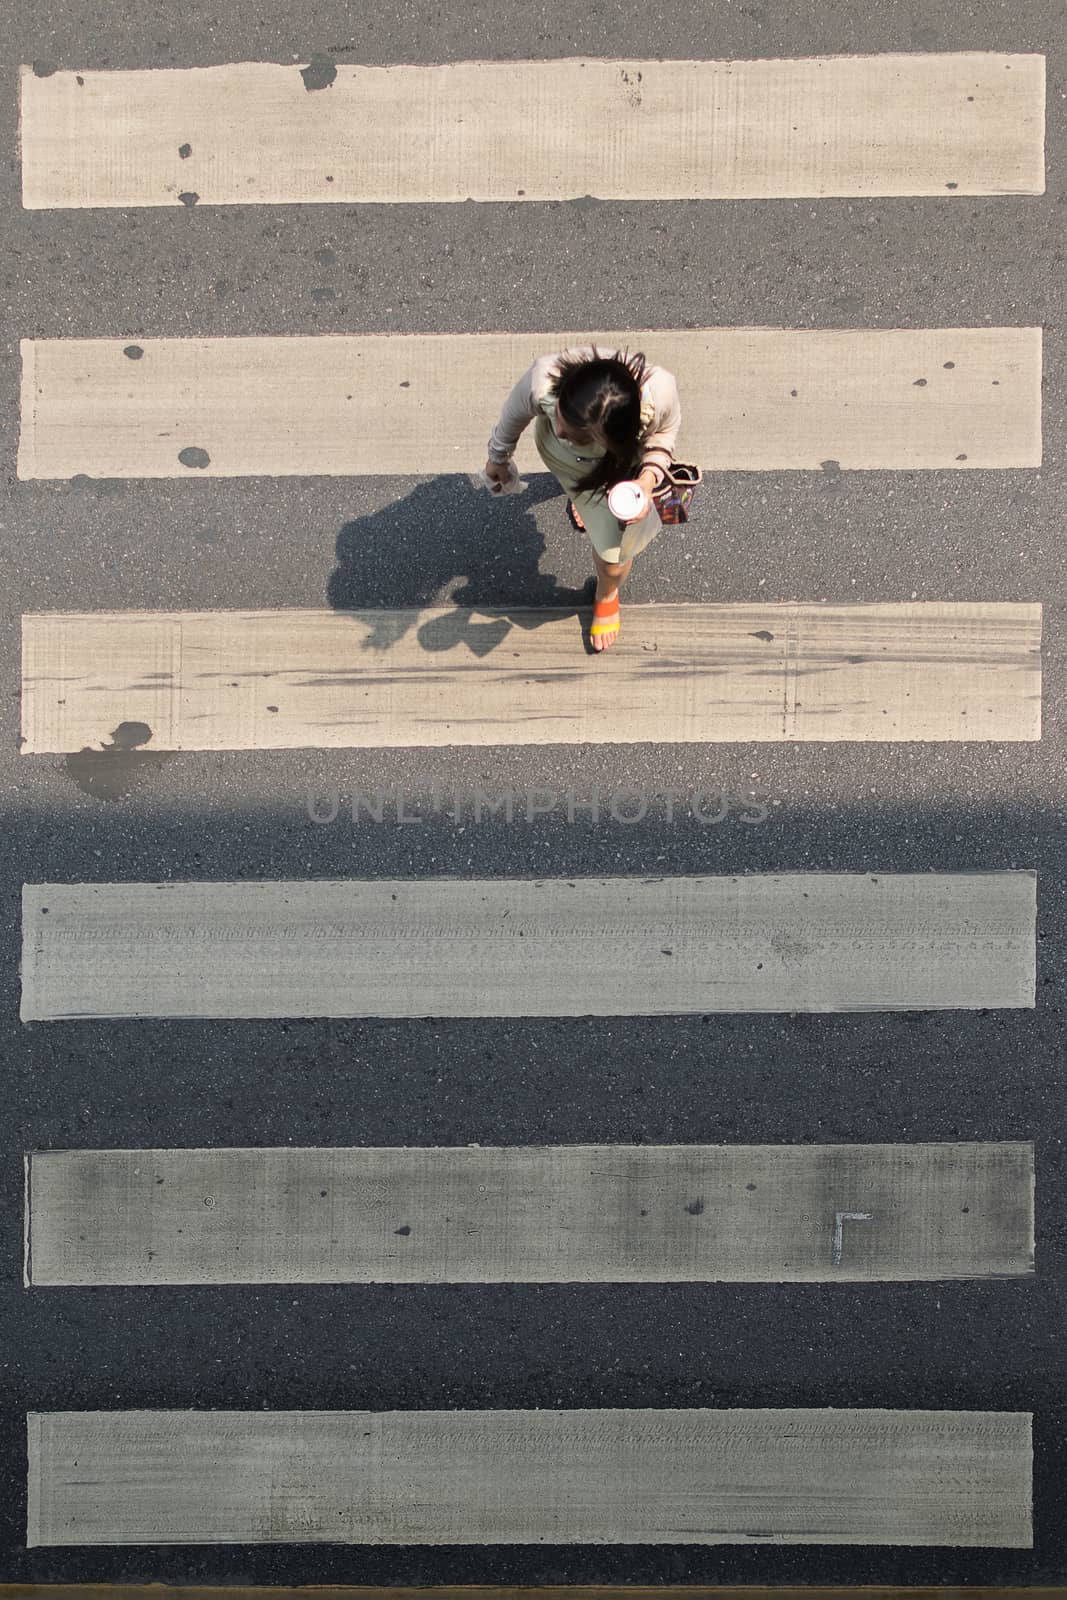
<point x="605" y="617"/>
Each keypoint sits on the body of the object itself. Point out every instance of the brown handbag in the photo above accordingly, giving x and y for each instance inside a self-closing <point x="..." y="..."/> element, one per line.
<point x="675" y="494"/>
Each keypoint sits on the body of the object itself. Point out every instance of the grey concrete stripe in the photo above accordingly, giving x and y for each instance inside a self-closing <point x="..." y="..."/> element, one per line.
<point x="945" y="123"/>
<point x="221" y="680"/>
<point x="517" y="947"/>
<point x="572" y="1214"/>
<point x="753" y="399"/>
<point x="849" y="1477"/>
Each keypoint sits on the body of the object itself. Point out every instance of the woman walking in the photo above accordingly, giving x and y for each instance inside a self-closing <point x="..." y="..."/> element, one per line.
<point x="601" y="419"/>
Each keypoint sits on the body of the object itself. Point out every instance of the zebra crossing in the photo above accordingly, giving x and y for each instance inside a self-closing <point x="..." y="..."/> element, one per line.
<point x="544" y="947"/>
<point x="269" y="680"/>
<point x="965" y="673"/>
<point x="896" y="398"/>
<point x="950" y="123"/>
<point x="488" y="1477"/>
<point x="663" y="1214"/>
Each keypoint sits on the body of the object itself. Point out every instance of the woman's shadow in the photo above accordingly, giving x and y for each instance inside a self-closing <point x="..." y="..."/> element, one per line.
<point x="401" y="558"/>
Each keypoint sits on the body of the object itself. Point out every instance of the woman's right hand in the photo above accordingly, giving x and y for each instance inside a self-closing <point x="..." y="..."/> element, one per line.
<point x="498" y="472"/>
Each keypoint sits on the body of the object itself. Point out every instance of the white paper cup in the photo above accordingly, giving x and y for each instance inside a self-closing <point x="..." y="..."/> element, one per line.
<point x="627" y="500"/>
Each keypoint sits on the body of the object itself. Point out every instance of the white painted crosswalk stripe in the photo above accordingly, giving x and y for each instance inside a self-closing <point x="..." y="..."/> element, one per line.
<point x="950" y="123"/>
<point x="849" y="1477"/>
<point x="577" y="1213"/>
<point x="514" y="948"/>
<point x="229" y="680"/>
<point x="755" y="399"/>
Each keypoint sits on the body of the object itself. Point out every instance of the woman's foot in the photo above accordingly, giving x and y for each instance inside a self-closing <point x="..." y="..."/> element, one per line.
<point x="604" y="628"/>
<point x="575" y="518"/>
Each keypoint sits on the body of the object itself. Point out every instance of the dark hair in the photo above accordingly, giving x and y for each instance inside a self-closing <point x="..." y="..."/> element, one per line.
<point x="603" y="393"/>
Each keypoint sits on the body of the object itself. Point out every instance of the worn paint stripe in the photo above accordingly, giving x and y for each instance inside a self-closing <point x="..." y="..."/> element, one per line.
<point x="576" y="1214"/>
<point x="673" y="1477"/>
<point x="946" y="123"/>
<point x="220" y="680"/>
<point x="515" y="947"/>
<point x="753" y="399"/>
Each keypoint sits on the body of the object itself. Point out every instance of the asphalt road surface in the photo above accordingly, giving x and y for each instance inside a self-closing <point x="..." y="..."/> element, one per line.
<point x="114" y="544"/>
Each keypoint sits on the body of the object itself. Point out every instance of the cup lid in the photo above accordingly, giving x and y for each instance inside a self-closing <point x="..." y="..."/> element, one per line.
<point x="626" y="497"/>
